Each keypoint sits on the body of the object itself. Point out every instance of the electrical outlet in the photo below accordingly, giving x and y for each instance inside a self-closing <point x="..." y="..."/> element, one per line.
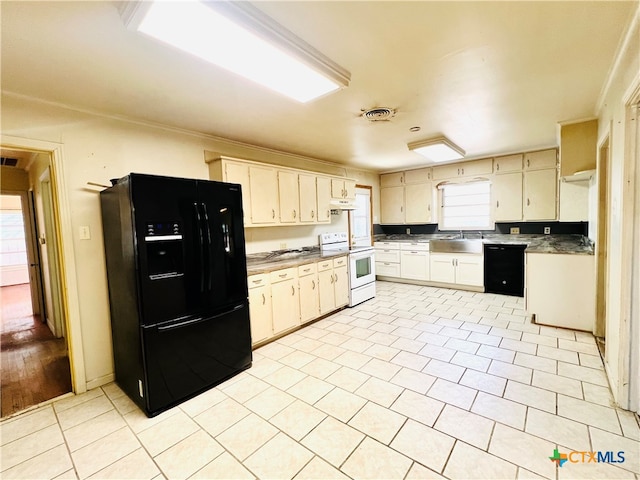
<point x="547" y="230"/>
<point x="283" y="246"/>
<point x="408" y="230"/>
<point x="514" y="230"/>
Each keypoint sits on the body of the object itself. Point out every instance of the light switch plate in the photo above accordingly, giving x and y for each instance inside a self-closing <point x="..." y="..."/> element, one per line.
<point x="85" y="232"/>
<point x="514" y="230"/>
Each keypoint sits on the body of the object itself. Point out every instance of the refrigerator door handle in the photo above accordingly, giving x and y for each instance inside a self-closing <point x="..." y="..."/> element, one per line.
<point x="193" y="321"/>
<point x="209" y="246"/>
<point x="200" y="244"/>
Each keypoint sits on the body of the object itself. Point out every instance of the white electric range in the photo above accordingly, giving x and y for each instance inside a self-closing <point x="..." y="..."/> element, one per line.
<point x="362" y="265"/>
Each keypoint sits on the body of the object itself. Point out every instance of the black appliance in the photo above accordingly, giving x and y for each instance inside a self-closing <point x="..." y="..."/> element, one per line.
<point x="177" y="274"/>
<point x="504" y="269"/>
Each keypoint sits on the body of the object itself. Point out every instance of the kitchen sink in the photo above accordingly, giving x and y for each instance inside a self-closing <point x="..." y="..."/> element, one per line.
<point x="457" y="245"/>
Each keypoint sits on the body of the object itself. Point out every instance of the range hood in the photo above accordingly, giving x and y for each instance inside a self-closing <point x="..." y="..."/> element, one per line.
<point x="581" y="176"/>
<point x="337" y="204"/>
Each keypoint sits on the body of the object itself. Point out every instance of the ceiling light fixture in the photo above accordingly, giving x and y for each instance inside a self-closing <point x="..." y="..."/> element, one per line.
<point x="439" y="149"/>
<point x="242" y="39"/>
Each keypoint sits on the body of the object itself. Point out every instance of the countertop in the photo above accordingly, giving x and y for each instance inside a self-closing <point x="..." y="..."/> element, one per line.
<point x="565" y="244"/>
<point x="269" y="261"/>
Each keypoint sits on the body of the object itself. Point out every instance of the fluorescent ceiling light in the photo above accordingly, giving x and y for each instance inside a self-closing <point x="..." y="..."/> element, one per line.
<point x="240" y="38"/>
<point x="438" y="149"/>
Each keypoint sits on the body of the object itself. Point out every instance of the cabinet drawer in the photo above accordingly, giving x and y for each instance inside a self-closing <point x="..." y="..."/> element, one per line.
<point x="388" y="269"/>
<point x="387" y="245"/>
<point x="259" y="280"/>
<point x="281" y="275"/>
<point x="309" y="269"/>
<point x="325" y="265"/>
<point x="339" y="262"/>
<point x="415" y="247"/>
<point x="385" y="255"/>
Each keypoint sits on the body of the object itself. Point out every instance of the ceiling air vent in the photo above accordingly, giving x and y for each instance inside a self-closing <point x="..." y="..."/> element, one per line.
<point x="379" y="114"/>
<point x="8" y="162"/>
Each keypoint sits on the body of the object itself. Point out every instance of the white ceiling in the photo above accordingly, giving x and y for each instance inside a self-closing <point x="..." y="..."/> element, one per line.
<point x="494" y="77"/>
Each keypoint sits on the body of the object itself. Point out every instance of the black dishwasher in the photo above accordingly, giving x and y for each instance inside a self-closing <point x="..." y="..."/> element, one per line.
<point x="504" y="269"/>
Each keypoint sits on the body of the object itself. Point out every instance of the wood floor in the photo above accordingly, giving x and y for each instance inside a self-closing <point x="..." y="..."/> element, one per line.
<point x="35" y="364"/>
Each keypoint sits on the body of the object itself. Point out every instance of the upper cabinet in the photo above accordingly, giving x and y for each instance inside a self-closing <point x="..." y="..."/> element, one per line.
<point x="578" y="147"/>
<point x="507" y="164"/>
<point x="273" y="195"/>
<point x="406" y="197"/>
<point x="541" y="159"/>
<point x="463" y="169"/>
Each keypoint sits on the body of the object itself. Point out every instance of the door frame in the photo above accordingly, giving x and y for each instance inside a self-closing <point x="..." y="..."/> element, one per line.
<point x="370" y="188"/>
<point x="602" y="234"/>
<point x="61" y="214"/>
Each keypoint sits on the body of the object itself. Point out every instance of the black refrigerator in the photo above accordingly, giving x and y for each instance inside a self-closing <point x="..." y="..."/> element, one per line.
<point x="177" y="275"/>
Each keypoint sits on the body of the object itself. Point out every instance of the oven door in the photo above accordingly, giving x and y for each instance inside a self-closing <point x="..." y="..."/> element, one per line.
<point x="362" y="268"/>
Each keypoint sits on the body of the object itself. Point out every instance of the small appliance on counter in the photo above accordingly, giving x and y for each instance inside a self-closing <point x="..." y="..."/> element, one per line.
<point x="177" y="275"/>
<point x="362" y="265"/>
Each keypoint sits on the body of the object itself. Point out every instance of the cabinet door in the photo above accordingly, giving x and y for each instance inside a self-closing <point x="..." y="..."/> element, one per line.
<point x="341" y="285"/>
<point x="264" y="195"/>
<point x="470" y="270"/>
<point x="337" y="188"/>
<point x="392" y="205"/>
<point x="540" y="191"/>
<point x="323" y="186"/>
<point x="308" y="198"/>
<point x="540" y="160"/>
<point x="350" y="189"/>
<point x="446" y="171"/>
<point x="508" y="163"/>
<point x="239" y="173"/>
<point x="421" y="175"/>
<point x="288" y="196"/>
<point x="392" y="179"/>
<point x="327" y="291"/>
<point x="507" y="197"/>
<point x="442" y="268"/>
<point x="285" y="305"/>
<point x="417" y="199"/>
<point x="260" y="313"/>
<point x="476" y="167"/>
<point x="414" y="265"/>
<point x="309" y="298"/>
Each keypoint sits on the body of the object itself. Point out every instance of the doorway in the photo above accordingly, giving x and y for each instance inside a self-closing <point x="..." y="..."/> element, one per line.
<point x="34" y="357"/>
<point x="360" y="225"/>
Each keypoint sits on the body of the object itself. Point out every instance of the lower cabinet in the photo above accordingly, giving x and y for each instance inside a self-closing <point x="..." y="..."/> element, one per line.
<point x="285" y="305"/>
<point x="283" y="299"/>
<point x="458" y="269"/>
<point x="414" y="261"/>
<point x="260" y="307"/>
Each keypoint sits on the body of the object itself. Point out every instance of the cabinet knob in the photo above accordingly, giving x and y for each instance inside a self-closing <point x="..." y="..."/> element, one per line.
<point x="328" y="213"/>
<point x="332" y="279"/>
<point x="273" y="213"/>
<point x="497" y="167"/>
<point x="264" y="299"/>
<point x="313" y="213"/>
<point x="497" y="203"/>
<point x="527" y="162"/>
<point x="294" y="214"/>
<point x="528" y="202"/>
<point x="336" y="277"/>
<point x="293" y="290"/>
<point x="313" y="282"/>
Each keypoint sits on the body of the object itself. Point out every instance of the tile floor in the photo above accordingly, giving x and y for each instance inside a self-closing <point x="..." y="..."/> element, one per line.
<point x="419" y="382"/>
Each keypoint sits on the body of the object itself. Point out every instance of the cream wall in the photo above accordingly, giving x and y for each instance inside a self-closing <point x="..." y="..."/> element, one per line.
<point x="612" y="122"/>
<point x="96" y="149"/>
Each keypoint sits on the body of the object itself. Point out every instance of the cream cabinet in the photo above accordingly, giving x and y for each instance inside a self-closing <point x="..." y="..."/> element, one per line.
<point x="541" y="159"/>
<point x="263" y="182"/>
<point x="343" y="188"/>
<point x="561" y="290"/>
<point x="540" y="194"/>
<point x="392" y="205"/>
<point x="341" y="283"/>
<point x="578" y="147"/>
<point x="419" y="175"/>
<point x="288" y="196"/>
<point x="507" y="164"/>
<point x="458" y="268"/>
<point x="309" y="292"/>
<point x="239" y="173"/>
<point x="260" y="307"/>
<point x="387" y="259"/>
<point x="463" y="169"/>
<point x="417" y="199"/>
<point x="392" y="179"/>
<point x="414" y="261"/>
<point x="308" y="196"/>
<point x="323" y="186"/>
<point x="507" y="197"/>
<point x="285" y="305"/>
